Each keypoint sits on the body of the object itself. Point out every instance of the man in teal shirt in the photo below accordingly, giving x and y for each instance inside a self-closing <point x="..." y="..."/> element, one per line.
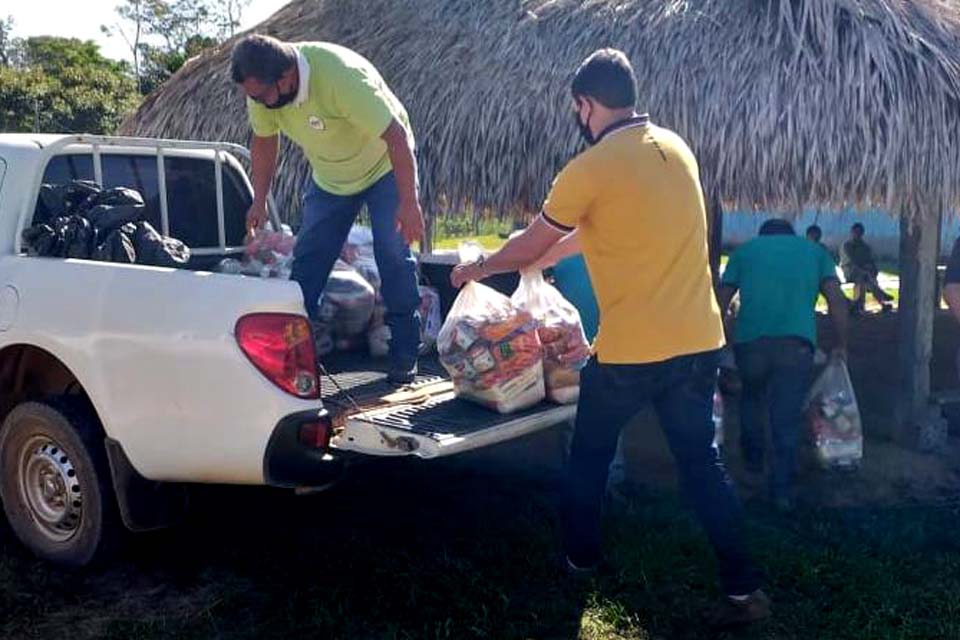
<point x="779" y="276"/>
<point x="334" y="104"/>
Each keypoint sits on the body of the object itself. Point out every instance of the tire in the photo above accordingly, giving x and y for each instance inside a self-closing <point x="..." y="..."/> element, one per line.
<point x="55" y="482"/>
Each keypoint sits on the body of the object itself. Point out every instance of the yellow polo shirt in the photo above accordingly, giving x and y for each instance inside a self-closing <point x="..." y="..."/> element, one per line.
<point x="636" y="199"/>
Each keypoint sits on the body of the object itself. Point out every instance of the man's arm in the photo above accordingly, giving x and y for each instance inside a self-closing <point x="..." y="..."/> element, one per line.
<point x="263" y="164"/>
<point x="569" y="245"/>
<point x="518" y="252"/>
<point x="838" y="307"/>
<point x="409" y="213"/>
<point x="724" y="298"/>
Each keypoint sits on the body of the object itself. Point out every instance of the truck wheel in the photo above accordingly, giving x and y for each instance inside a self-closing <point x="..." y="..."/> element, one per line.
<point x="55" y="482"/>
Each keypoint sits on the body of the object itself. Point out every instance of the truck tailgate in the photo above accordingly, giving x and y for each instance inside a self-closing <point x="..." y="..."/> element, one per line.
<point x="424" y="419"/>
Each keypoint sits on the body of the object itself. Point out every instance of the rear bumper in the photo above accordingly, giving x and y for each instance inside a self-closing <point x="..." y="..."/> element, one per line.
<point x="289" y="463"/>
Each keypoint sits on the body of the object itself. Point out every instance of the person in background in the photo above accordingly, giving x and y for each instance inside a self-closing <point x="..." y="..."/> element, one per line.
<point x="860" y="268"/>
<point x="779" y="277"/>
<point x="814" y="234"/>
<point x="635" y="198"/>
<point x="355" y="133"/>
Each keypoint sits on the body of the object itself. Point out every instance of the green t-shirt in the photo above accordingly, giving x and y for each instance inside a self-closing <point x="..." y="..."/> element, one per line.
<point x="343" y="107"/>
<point x="779" y="279"/>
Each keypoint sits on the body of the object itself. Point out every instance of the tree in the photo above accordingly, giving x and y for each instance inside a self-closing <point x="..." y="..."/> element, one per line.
<point x="64" y="85"/>
<point x="164" y="34"/>
<point x="133" y="12"/>
<point x="6" y="41"/>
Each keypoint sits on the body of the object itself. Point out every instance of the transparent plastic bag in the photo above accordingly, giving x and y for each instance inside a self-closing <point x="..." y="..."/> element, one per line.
<point x="834" y="418"/>
<point x="347" y="303"/>
<point x="492" y="351"/>
<point x="560" y="331"/>
<point x="430" y="318"/>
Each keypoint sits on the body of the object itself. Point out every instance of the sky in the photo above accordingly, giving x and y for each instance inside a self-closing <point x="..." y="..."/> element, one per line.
<point x="82" y="19"/>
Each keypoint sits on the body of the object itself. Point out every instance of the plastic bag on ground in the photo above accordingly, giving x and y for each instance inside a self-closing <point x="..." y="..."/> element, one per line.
<point x="492" y="351"/>
<point x="560" y="331"/>
<point x="834" y="417"/>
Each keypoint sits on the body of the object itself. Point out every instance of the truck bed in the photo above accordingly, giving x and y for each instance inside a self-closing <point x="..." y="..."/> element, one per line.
<point x="426" y="407"/>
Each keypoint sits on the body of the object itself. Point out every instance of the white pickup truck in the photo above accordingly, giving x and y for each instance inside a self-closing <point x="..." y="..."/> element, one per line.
<point x="122" y="384"/>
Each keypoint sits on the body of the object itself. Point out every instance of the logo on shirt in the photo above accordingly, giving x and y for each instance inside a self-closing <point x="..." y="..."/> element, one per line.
<point x="317" y="123"/>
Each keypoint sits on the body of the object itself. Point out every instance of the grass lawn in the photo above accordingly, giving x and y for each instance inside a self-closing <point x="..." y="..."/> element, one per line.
<point x="452" y="550"/>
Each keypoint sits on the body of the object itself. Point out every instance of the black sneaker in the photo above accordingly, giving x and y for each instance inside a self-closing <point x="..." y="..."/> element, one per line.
<point x="402" y="375"/>
<point x="728" y="612"/>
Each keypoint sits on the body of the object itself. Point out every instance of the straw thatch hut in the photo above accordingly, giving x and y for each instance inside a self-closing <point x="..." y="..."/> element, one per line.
<point x="786" y="102"/>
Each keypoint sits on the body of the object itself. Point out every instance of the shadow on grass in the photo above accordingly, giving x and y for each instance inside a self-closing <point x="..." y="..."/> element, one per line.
<point x="449" y="550"/>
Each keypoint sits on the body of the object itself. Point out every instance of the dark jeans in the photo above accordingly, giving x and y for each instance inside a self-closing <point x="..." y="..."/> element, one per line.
<point x="681" y="391"/>
<point x="776" y="375"/>
<point x="327" y="219"/>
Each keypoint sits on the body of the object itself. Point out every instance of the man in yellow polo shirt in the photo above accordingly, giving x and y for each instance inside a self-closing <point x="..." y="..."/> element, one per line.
<point x="635" y="199"/>
<point x="355" y="133"/>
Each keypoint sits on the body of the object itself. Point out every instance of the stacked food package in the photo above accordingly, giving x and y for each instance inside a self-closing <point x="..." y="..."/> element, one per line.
<point x="492" y="351"/>
<point x="560" y="332"/>
<point x="834" y="418"/>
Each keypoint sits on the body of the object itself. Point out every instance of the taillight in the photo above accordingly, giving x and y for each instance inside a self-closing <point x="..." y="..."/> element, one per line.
<point x="281" y="346"/>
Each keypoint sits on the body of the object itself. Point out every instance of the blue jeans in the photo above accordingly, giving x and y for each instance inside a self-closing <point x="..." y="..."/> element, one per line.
<point x="776" y="375"/>
<point x="681" y="390"/>
<point x="327" y="219"/>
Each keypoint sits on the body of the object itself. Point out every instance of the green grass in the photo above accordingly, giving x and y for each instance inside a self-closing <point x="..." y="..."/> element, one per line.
<point x="490" y="242"/>
<point x="446" y="550"/>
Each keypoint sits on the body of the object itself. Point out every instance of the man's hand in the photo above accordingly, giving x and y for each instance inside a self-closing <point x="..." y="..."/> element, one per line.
<point x="256" y="218"/>
<point x="466" y="272"/>
<point x="410" y="221"/>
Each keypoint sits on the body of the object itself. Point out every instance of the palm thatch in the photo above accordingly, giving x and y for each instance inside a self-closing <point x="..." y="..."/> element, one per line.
<point x="786" y="102"/>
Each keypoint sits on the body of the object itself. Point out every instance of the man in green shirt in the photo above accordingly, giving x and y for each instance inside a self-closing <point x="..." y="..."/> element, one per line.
<point x="779" y="276"/>
<point x="334" y="104"/>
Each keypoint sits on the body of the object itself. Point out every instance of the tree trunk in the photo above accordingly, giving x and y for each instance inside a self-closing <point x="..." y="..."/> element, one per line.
<point x="918" y="277"/>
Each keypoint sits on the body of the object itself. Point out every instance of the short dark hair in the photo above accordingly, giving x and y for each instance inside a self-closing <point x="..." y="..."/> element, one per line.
<point x="261" y="57"/>
<point x="777" y="227"/>
<point x="607" y="77"/>
<point x="858" y="227"/>
<point x="815" y="230"/>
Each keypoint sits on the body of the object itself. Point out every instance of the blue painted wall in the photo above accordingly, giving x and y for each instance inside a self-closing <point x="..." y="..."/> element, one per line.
<point x="883" y="230"/>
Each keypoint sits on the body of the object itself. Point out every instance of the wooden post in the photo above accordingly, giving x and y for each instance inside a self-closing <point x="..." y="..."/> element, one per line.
<point x="918" y="283"/>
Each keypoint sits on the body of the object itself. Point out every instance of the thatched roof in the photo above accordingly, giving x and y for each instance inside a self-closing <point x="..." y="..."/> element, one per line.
<point x="785" y="101"/>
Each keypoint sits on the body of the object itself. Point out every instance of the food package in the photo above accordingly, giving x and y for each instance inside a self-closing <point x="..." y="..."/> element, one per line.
<point x="560" y="331"/>
<point x="268" y="246"/>
<point x="346" y="304"/>
<point x="834" y="418"/>
<point x="492" y="351"/>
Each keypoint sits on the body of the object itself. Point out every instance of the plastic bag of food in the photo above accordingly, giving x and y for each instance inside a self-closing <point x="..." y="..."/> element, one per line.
<point x="349" y="300"/>
<point x="359" y="244"/>
<point x="267" y="246"/>
<point x="834" y="417"/>
<point x="560" y="331"/>
<point x="492" y="351"/>
<point x="430" y="318"/>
